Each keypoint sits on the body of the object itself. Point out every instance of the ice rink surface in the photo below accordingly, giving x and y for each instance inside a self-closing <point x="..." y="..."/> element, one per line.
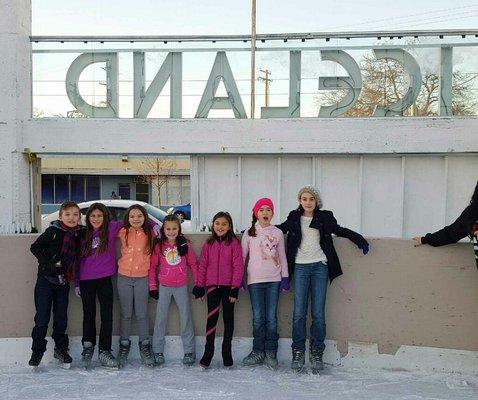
<point x="173" y="381"/>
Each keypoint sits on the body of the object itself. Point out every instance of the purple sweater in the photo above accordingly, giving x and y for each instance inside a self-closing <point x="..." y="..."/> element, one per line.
<point x="95" y="266"/>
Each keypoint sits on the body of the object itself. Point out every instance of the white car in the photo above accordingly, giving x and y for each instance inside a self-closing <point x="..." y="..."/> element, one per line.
<point x="117" y="209"/>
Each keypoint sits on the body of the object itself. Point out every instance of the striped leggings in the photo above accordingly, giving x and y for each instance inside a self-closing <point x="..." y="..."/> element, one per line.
<point x="216" y="295"/>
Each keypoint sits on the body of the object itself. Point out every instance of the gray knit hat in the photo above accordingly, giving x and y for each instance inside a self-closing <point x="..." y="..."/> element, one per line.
<point x="313" y="191"/>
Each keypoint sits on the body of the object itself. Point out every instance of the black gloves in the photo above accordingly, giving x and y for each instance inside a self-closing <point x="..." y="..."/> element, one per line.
<point x="234" y="292"/>
<point x="199" y="292"/>
<point x="154" y="294"/>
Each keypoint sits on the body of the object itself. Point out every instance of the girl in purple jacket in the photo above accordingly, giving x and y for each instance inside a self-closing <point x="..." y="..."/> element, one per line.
<point x="219" y="275"/>
<point x="93" y="279"/>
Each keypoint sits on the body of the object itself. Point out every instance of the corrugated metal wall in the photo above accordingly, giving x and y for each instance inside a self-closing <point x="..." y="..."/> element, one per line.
<point x="380" y="196"/>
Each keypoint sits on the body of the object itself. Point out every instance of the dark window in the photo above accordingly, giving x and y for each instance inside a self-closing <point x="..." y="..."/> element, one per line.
<point x="92" y="188"/>
<point x="47" y="189"/>
<point x="77" y="188"/>
<point x="142" y="192"/>
<point x="124" y="191"/>
<point x="61" y="189"/>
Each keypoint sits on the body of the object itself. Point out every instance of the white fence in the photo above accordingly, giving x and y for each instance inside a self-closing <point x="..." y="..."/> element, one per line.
<point x="380" y="196"/>
<point x="10" y="229"/>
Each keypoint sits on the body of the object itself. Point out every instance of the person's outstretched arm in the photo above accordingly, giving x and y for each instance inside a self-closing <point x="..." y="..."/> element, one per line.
<point x="451" y="233"/>
<point x="355" y="237"/>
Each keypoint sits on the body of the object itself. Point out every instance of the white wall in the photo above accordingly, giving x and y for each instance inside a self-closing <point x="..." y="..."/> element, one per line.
<point x="15" y="107"/>
<point x="380" y="196"/>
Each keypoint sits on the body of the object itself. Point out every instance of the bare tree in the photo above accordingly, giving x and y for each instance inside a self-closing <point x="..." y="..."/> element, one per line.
<point x="157" y="172"/>
<point x="384" y="82"/>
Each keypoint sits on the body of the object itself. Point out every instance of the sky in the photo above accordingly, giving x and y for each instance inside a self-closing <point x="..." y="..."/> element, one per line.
<point x="181" y="17"/>
<point x="188" y="17"/>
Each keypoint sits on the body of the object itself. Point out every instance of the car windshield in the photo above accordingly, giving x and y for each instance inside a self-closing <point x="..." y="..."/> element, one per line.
<point x="155" y="212"/>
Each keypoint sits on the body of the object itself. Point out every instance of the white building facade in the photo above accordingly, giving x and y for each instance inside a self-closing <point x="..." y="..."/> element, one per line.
<point x="384" y="176"/>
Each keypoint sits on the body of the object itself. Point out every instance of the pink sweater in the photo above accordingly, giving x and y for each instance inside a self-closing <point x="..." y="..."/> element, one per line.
<point x="220" y="264"/>
<point x="267" y="258"/>
<point x="173" y="270"/>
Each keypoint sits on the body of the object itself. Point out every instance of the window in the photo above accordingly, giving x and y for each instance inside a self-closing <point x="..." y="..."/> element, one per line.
<point x="77" y="188"/>
<point x="47" y="189"/>
<point x="142" y="192"/>
<point x="92" y="188"/>
<point x="62" y="192"/>
<point x="124" y="191"/>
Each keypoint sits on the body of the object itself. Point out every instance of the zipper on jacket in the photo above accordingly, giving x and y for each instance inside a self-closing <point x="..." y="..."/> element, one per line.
<point x="218" y="263"/>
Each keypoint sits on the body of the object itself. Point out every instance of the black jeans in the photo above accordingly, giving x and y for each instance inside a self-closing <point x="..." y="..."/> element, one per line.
<point x="102" y="288"/>
<point x="48" y="295"/>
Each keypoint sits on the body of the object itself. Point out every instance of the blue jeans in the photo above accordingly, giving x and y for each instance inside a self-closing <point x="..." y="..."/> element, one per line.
<point x="48" y="296"/>
<point x="313" y="279"/>
<point x="264" y="299"/>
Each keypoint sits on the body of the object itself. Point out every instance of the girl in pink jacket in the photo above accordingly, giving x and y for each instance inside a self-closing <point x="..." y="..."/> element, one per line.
<point x="172" y="255"/>
<point x="267" y="274"/>
<point x="219" y="275"/>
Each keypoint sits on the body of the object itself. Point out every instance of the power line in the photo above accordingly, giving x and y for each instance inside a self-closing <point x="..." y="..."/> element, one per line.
<point x="434" y="20"/>
<point x="373" y="21"/>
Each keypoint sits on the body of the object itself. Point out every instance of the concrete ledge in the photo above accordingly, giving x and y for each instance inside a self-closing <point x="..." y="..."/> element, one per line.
<point x="395" y="296"/>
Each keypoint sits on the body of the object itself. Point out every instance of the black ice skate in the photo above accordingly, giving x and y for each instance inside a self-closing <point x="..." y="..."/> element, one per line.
<point x="63" y="357"/>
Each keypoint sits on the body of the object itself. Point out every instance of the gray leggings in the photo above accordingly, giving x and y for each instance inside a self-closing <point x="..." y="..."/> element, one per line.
<point x="133" y="292"/>
<point x="181" y="296"/>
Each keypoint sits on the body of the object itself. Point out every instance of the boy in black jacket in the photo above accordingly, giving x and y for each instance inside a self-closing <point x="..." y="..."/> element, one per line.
<point x="57" y="251"/>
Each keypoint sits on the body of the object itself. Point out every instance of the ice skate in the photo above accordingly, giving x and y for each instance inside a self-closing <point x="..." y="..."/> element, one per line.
<point x="87" y="354"/>
<point x="159" y="359"/>
<point x="271" y="359"/>
<point x="63" y="357"/>
<point x="146" y="354"/>
<point x="298" y="360"/>
<point x="189" y="359"/>
<point x="255" y="357"/>
<point x="107" y="359"/>
<point x="35" y="359"/>
<point x="123" y="353"/>
<point x="316" y="363"/>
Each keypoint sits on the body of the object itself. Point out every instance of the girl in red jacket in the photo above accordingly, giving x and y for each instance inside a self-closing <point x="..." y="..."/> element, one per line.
<point x="220" y="276"/>
<point x="172" y="255"/>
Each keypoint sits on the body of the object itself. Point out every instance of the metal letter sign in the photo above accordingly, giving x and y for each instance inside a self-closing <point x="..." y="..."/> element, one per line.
<point x="352" y="83"/>
<point x="293" y="110"/>
<point x="171" y="69"/>
<point x="73" y="76"/>
<point x="221" y="70"/>
<point x="144" y="100"/>
<point x="415" y="81"/>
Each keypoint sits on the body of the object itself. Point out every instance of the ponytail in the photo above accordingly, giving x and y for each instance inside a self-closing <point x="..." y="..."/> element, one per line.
<point x="252" y="229"/>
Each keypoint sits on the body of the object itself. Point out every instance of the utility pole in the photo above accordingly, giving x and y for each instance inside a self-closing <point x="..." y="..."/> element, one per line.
<point x="253" y="59"/>
<point x="267" y="81"/>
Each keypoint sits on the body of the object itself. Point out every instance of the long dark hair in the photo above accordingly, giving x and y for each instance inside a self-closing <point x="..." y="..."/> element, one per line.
<point x="146" y="228"/>
<point x="181" y="241"/>
<point x="252" y="230"/>
<point x="474" y="200"/>
<point x="229" y="236"/>
<point x="90" y="230"/>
